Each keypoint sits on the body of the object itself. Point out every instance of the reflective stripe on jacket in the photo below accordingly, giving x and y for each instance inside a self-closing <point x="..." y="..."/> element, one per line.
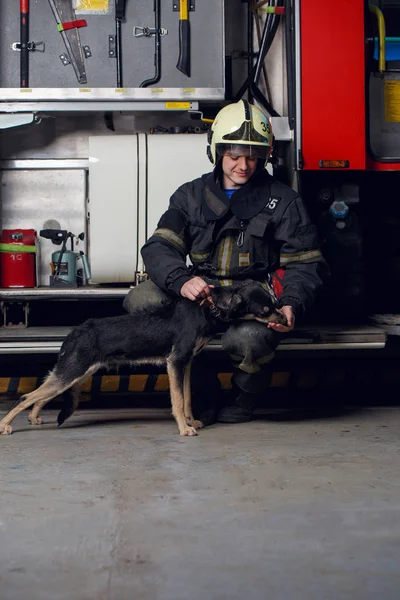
<point x="262" y="227"/>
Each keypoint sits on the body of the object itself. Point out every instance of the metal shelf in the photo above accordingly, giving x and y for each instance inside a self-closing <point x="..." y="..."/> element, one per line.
<point x="49" y="104"/>
<point x="48" y="340"/>
<point x="34" y="164"/>
<point x="16" y="114"/>
<point x="47" y="293"/>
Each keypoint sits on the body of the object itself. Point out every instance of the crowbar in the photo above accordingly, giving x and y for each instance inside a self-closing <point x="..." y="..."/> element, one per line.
<point x="24" y="41"/>
<point x="184" y="38"/>
<point x="68" y="26"/>
<point x="120" y="7"/>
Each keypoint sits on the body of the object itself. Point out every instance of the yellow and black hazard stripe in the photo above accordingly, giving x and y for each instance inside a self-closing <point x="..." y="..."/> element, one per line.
<point x="104" y="383"/>
<point x="303" y="379"/>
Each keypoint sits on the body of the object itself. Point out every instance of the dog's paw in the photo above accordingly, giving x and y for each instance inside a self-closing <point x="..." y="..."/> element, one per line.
<point x="35" y="420"/>
<point x="188" y="431"/>
<point x="5" y="429"/>
<point x="194" y="423"/>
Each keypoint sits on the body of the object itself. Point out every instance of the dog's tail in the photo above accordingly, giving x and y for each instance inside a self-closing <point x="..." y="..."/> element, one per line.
<point x="75" y="363"/>
<point x="71" y="400"/>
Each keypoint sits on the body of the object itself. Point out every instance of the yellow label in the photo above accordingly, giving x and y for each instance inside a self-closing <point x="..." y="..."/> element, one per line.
<point x="92" y="5"/>
<point x="25" y="90"/>
<point x="392" y="101"/>
<point x="177" y="105"/>
<point x="157" y="89"/>
<point x="121" y="90"/>
<point x="189" y="90"/>
<point x="85" y="90"/>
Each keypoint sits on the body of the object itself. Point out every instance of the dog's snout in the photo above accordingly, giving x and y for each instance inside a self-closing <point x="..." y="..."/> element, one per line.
<point x="274" y="316"/>
<point x="278" y="317"/>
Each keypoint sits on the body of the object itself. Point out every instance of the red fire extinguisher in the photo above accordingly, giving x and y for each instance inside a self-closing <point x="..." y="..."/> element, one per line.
<point x="18" y="258"/>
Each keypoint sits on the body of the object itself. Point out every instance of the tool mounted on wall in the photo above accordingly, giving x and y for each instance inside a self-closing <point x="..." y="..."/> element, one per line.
<point x="115" y="41"/>
<point x="184" y="6"/>
<point x="24" y="45"/>
<point x="24" y="58"/>
<point x="68" y="25"/>
<point x="157" y="31"/>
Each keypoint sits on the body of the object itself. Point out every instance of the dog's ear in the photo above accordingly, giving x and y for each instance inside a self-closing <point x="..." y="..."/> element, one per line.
<point x="229" y="303"/>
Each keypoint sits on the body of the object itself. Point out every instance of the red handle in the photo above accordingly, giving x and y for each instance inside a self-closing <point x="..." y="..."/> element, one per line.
<point x="24" y="6"/>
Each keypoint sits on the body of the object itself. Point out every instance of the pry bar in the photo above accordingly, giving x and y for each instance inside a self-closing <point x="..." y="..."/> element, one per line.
<point x="24" y="41"/>
<point x="157" y="47"/>
<point x="120" y="6"/>
<point x="184" y="38"/>
<point x="68" y="26"/>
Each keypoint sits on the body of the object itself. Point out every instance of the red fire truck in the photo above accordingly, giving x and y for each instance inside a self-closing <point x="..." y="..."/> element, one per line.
<point x="99" y="162"/>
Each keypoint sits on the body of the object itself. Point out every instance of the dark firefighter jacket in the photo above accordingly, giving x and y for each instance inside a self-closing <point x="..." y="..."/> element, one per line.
<point x="262" y="227"/>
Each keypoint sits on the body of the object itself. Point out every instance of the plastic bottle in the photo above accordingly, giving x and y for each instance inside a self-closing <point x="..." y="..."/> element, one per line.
<point x="342" y="247"/>
<point x="339" y="210"/>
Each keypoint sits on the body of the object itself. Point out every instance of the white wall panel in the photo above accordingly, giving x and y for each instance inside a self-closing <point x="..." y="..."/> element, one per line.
<point x="172" y="160"/>
<point x="113" y="198"/>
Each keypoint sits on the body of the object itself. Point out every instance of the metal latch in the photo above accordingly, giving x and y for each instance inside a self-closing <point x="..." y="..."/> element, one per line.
<point x="65" y="59"/>
<point x="147" y="31"/>
<point x="112" y="47"/>
<point x="31" y="46"/>
<point x="176" y="5"/>
<point x="87" y="51"/>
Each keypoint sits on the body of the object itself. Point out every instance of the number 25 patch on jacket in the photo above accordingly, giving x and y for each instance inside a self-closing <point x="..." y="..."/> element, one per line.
<point x="272" y="204"/>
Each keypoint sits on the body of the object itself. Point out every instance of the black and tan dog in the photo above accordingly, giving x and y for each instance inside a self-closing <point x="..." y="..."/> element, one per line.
<point x="171" y="334"/>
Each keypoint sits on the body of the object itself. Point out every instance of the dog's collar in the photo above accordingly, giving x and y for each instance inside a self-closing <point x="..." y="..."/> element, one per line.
<point x="209" y="302"/>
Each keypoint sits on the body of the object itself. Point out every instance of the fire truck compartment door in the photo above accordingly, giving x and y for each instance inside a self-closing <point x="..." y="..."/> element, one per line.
<point x="112" y="208"/>
<point x="172" y="161"/>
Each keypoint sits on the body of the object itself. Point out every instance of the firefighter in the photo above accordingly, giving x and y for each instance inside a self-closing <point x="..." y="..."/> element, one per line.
<point x="238" y="222"/>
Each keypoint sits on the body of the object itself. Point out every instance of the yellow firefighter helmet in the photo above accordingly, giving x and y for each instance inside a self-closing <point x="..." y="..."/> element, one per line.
<point x="240" y="129"/>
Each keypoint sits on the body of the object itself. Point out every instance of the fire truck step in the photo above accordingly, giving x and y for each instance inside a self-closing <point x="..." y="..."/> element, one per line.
<point x="324" y="380"/>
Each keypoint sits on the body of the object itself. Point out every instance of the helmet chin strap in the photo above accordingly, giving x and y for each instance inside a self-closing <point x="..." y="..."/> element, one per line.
<point x="218" y="172"/>
<point x="261" y="164"/>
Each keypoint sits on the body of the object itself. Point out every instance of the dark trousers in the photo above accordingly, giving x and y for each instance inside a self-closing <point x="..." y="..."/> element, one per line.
<point x="251" y="346"/>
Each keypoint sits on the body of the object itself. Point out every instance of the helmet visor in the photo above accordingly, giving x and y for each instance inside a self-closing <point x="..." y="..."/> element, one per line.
<point x="243" y="150"/>
<point x="246" y="133"/>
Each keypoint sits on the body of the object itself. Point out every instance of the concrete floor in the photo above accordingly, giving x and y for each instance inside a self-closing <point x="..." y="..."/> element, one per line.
<point x="119" y="507"/>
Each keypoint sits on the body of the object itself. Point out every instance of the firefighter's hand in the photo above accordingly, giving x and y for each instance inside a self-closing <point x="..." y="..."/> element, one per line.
<point x="289" y="314"/>
<point x="196" y="288"/>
